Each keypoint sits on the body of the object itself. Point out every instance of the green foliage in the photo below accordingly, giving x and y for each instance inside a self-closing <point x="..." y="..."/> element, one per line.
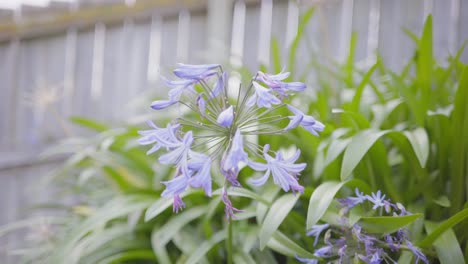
<point x="401" y="133"/>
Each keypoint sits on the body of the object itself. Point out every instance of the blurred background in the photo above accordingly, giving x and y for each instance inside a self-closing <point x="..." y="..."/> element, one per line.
<point x="98" y="58"/>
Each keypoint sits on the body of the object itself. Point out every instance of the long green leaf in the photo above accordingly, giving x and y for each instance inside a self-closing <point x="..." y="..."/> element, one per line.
<point x="359" y="90"/>
<point x="90" y="124"/>
<point x="360" y="144"/>
<point x="420" y="142"/>
<point x="161" y="235"/>
<point x="320" y="200"/>
<point x="204" y="247"/>
<point x="132" y="255"/>
<point x="447" y="246"/>
<point x="424" y="66"/>
<point x="459" y="144"/>
<point x="281" y="243"/>
<point x="277" y="213"/>
<point x="442" y="227"/>
<point x="162" y="204"/>
<point x="300" y="31"/>
<point x="386" y="224"/>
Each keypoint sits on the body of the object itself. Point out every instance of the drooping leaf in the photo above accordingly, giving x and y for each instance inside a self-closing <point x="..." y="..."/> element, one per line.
<point x="284" y="245"/>
<point x="360" y="144"/>
<point x="320" y="200"/>
<point x="204" y="247"/>
<point x="162" y="204"/>
<point x="442" y="227"/>
<point x="420" y="142"/>
<point x="447" y="246"/>
<point x="275" y="216"/>
<point x="386" y="224"/>
<point x="162" y="235"/>
<point x="90" y="124"/>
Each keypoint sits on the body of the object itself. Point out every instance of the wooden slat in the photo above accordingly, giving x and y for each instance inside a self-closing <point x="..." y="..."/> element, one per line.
<point x="88" y="16"/>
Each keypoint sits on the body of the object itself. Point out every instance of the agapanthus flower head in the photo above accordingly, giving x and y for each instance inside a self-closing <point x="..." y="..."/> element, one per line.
<point x="214" y="138"/>
<point x="346" y="242"/>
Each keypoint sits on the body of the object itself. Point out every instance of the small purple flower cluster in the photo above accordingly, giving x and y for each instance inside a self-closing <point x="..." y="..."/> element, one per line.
<point x="346" y="242"/>
<point x="215" y="138"/>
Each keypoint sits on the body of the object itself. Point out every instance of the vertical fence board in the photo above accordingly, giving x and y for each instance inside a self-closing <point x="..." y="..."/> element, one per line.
<point x="360" y="25"/>
<point x="83" y="73"/>
<point x="278" y="29"/>
<point x="442" y="29"/>
<point x="168" y="45"/>
<point x="199" y="52"/>
<point x="463" y="29"/>
<point x="252" y="26"/>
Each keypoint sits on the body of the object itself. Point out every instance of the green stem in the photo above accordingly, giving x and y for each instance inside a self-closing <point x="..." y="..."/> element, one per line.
<point x="229" y="242"/>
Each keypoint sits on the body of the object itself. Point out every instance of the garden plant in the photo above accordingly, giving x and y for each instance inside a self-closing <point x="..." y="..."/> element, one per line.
<point x="348" y="166"/>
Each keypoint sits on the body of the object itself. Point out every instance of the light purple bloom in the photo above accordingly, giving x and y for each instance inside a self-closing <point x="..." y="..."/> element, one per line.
<point x="229" y="210"/>
<point x="195" y="72"/>
<point x="284" y="171"/>
<point x="236" y="153"/>
<point x="262" y="97"/>
<point x="306" y="121"/>
<point x="162" y="104"/>
<point x="231" y="175"/>
<point x="418" y="255"/>
<point x="307" y="260"/>
<point x="201" y="103"/>
<point x="176" y="186"/>
<point x="324" y="252"/>
<point x="316" y="230"/>
<point x="179" y="153"/>
<point x="178" y="204"/>
<point x="200" y="163"/>
<point x="275" y="83"/>
<point x="350" y="202"/>
<point x="160" y="137"/>
<point x="377" y="199"/>
<point x="219" y="86"/>
<point x="376" y="257"/>
<point x="178" y="87"/>
<point x="226" y="117"/>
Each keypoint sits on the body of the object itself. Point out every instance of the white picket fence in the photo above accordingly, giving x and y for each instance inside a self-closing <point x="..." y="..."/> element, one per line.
<point x="96" y="69"/>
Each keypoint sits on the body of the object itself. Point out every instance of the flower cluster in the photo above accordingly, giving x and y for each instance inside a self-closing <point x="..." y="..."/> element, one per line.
<point x="213" y="139"/>
<point x="348" y="242"/>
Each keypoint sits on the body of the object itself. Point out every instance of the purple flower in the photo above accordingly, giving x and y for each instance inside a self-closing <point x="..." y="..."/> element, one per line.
<point x="350" y="202"/>
<point x="307" y="261"/>
<point x="284" y="171"/>
<point x="390" y="240"/>
<point x="307" y="122"/>
<point x="226" y="117"/>
<point x="200" y="163"/>
<point x="262" y="97"/>
<point x="178" y="204"/>
<point x="178" y="87"/>
<point x="179" y="153"/>
<point x="418" y="255"/>
<point x="376" y="257"/>
<point x="219" y="86"/>
<point x="324" y="252"/>
<point x="229" y="210"/>
<point x="162" y="104"/>
<point x="160" y="137"/>
<point x="236" y="153"/>
<point x="195" y="72"/>
<point x="316" y="230"/>
<point x="377" y="199"/>
<point x="201" y="103"/>
<point x="231" y="175"/>
<point x="176" y="186"/>
<point x="275" y="83"/>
